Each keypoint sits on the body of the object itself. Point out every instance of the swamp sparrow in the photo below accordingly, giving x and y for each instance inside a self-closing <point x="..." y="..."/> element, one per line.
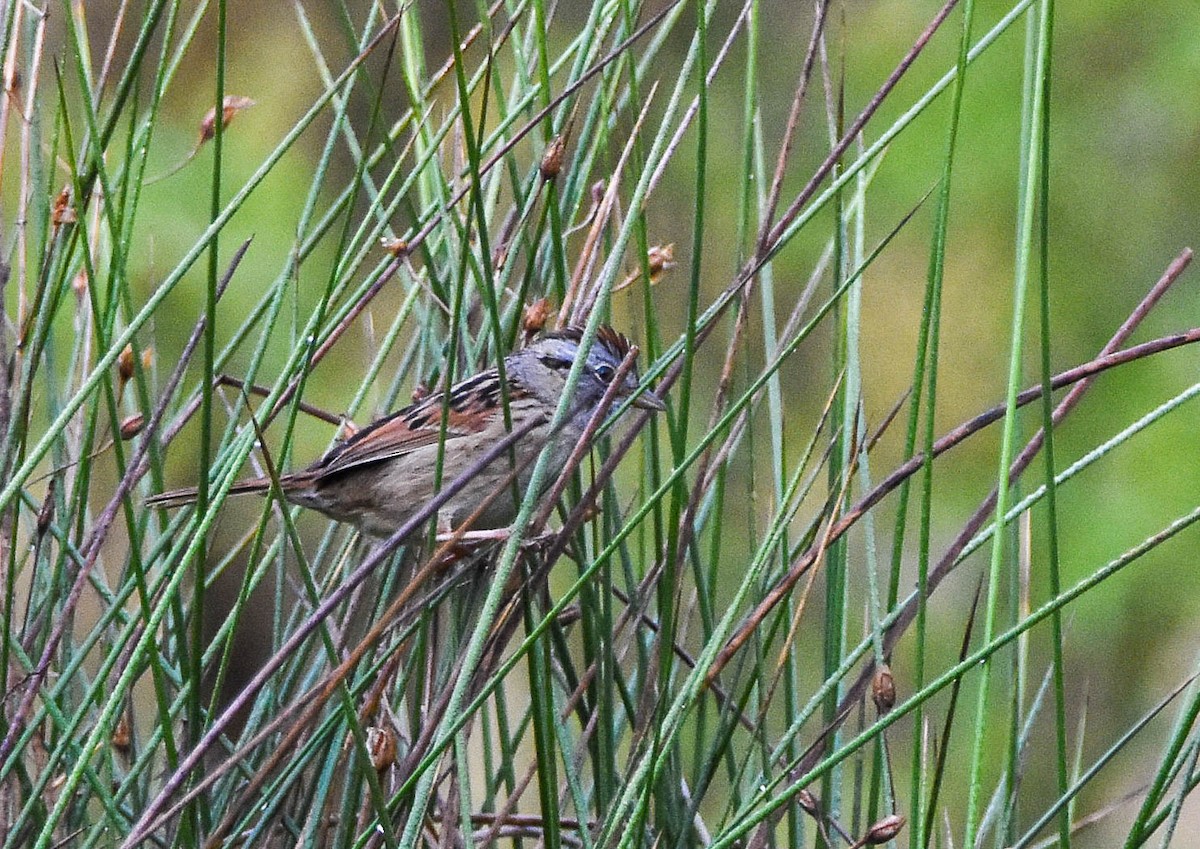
<point x="381" y="476"/>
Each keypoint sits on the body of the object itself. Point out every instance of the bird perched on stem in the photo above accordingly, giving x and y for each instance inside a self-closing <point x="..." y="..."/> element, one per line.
<point x="378" y="478"/>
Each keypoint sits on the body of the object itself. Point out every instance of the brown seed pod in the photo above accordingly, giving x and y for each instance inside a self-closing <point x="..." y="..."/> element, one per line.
<point x="533" y="320"/>
<point x="125" y="364"/>
<point x="132" y="426"/>
<point x="230" y="107"/>
<point x="122" y="736"/>
<point x="883" y="689"/>
<point x="552" y="158"/>
<point x="381" y="744"/>
<point x="884" y="830"/>
<point x="396" y="247"/>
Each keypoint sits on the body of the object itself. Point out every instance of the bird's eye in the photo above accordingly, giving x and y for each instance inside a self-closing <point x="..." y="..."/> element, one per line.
<point x="605" y="372"/>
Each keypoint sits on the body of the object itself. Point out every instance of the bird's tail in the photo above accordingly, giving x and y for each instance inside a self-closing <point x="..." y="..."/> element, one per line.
<point x="183" y="497"/>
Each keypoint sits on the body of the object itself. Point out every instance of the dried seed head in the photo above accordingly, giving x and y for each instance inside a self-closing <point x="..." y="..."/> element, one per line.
<point x="660" y="258"/>
<point x="883" y="689"/>
<point x="79" y="284"/>
<point x="132" y="426"/>
<point x="598" y="189"/>
<point x="884" y="830"/>
<point x="381" y="744"/>
<point x="230" y="107"/>
<point x="122" y="736"/>
<point x="396" y="247"/>
<point x="808" y="803"/>
<point x="552" y="158"/>
<point x="63" y="212"/>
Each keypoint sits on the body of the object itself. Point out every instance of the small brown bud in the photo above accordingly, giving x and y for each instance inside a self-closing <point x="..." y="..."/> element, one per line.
<point x="63" y="212"/>
<point x="122" y="736"/>
<point x="132" y="426"/>
<point x="808" y="803"/>
<point x="346" y="429"/>
<point x="421" y="391"/>
<point x="79" y="283"/>
<point x="598" y="189"/>
<point x="125" y="364"/>
<point x="230" y="107"/>
<point x="533" y="321"/>
<point x="381" y="745"/>
<point x="883" y="689"/>
<point x="552" y="158"/>
<point x="884" y="830"/>
<point x="396" y="247"/>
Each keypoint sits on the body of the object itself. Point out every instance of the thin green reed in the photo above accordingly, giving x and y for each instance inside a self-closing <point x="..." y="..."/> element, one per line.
<point x="1027" y="208"/>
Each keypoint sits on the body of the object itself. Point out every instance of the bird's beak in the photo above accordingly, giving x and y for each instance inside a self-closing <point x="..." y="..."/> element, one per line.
<point x="647" y="400"/>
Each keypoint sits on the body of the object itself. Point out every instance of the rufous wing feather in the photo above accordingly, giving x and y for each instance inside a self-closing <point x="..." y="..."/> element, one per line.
<point x="390" y="439"/>
<point x="399" y="434"/>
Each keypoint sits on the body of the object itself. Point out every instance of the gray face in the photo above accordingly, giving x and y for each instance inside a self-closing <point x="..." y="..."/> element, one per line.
<point x="542" y="369"/>
<point x="601" y="368"/>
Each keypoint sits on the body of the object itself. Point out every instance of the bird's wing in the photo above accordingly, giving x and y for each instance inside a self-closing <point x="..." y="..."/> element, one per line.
<point x="473" y="405"/>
